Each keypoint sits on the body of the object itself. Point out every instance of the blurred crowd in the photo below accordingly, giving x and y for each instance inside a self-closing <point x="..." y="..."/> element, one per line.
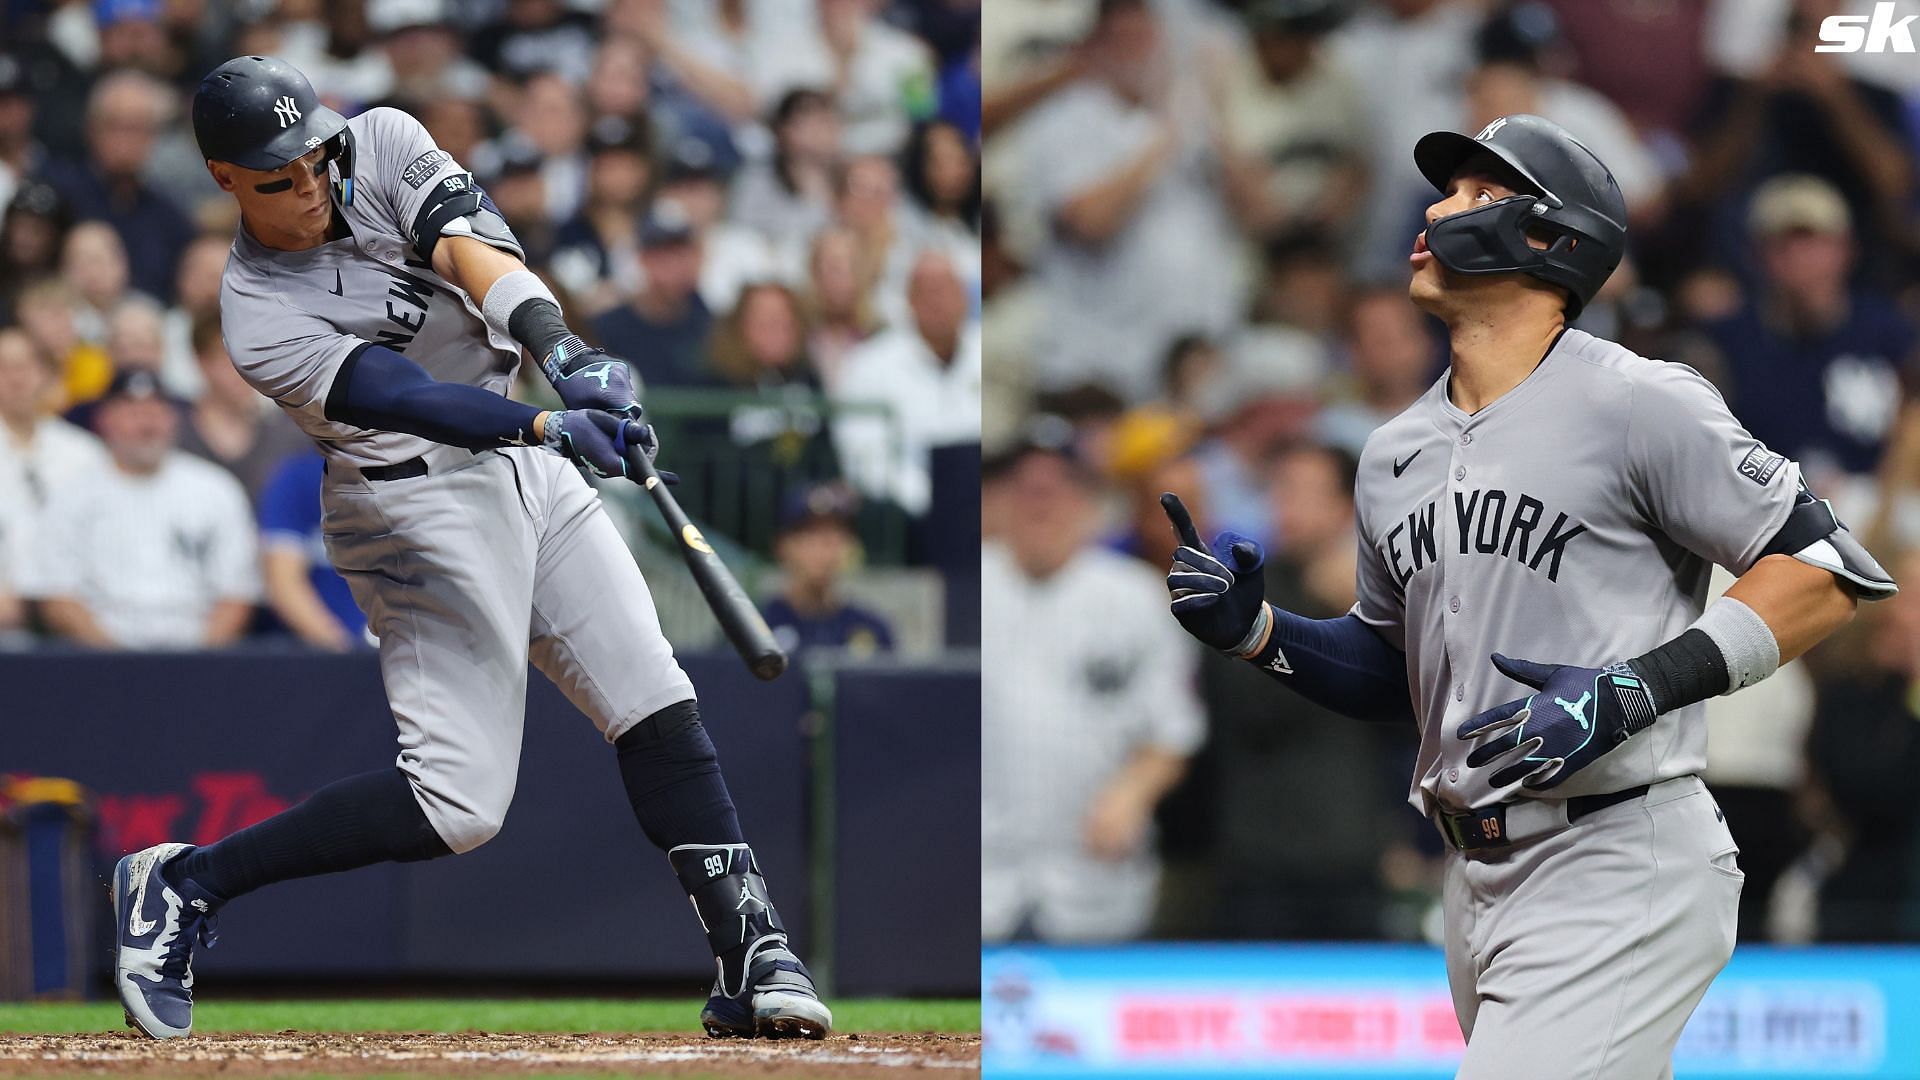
<point x="772" y="207"/>
<point x="1196" y="224"/>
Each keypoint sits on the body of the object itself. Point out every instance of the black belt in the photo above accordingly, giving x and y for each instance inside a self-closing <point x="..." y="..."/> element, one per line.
<point x="399" y="471"/>
<point x="1479" y="830"/>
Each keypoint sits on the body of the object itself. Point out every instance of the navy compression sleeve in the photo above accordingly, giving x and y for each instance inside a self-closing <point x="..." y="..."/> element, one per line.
<point x="1339" y="664"/>
<point x="380" y="389"/>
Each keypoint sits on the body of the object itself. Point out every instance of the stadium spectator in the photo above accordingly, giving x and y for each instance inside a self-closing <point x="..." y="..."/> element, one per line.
<point x="535" y="37"/>
<point x="664" y="328"/>
<point x="520" y="192"/>
<point x="301" y="586"/>
<point x="132" y="34"/>
<point x="39" y="455"/>
<point x="942" y="174"/>
<point x="33" y="233"/>
<point x="95" y="263"/>
<point x="229" y="424"/>
<point x="596" y="253"/>
<point x="1138" y="249"/>
<point x="1391" y="360"/>
<point x="790" y="196"/>
<point x="1300" y="762"/>
<point x="1799" y="112"/>
<point x="21" y="154"/>
<point x="839" y="312"/>
<point x="867" y="204"/>
<point x="762" y="342"/>
<point x="1087" y="721"/>
<point x="1864" y="751"/>
<point x="549" y="116"/>
<point x="815" y="548"/>
<point x="731" y="254"/>
<point x="156" y="550"/>
<point x="124" y="112"/>
<point x="422" y="55"/>
<point x="1293" y="151"/>
<point x="881" y="77"/>
<point x="924" y="382"/>
<point x="1816" y="363"/>
<point x="619" y="86"/>
<point x="197" y="289"/>
<point x="48" y="312"/>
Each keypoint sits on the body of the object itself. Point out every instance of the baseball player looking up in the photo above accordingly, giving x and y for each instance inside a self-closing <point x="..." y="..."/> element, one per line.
<point x="375" y="293"/>
<point x="1556" y="498"/>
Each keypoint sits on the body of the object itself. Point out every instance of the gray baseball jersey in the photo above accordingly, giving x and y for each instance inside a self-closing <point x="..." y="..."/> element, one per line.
<point x="481" y="561"/>
<point x="1573" y="521"/>
<point x="291" y="317"/>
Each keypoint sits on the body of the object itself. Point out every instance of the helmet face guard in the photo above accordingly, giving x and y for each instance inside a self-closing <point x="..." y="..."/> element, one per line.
<point x="1492" y="239"/>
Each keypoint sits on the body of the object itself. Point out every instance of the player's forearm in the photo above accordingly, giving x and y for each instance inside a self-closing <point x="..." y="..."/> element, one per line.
<point x="1800" y="603"/>
<point x="381" y="390"/>
<point x="1338" y="664"/>
<point x="226" y="622"/>
<point x="70" y="619"/>
<point x="473" y="265"/>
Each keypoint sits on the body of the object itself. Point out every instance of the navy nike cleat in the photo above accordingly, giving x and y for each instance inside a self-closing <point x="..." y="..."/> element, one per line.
<point x="778" y="1002"/>
<point x="156" y="926"/>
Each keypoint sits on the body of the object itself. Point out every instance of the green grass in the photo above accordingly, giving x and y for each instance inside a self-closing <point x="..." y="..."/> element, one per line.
<point x="435" y="1014"/>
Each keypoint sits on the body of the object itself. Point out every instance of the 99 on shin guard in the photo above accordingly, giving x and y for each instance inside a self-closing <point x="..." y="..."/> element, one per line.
<point x="730" y="896"/>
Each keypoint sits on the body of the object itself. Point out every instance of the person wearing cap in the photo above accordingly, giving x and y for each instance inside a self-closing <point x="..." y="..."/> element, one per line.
<point x="666" y="321"/>
<point x="815" y="548"/>
<point x="1090" y="714"/>
<point x="1816" y="363"/>
<point x="33" y="232"/>
<point x="154" y="551"/>
<point x="519" y="189"/>
<point x="596" y="253"/>
<point x="123" y="119"/>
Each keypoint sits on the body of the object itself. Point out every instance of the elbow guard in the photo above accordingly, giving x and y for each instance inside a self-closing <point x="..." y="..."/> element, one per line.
<point x="1816" y="537"/>
<point x="458" y="206"/>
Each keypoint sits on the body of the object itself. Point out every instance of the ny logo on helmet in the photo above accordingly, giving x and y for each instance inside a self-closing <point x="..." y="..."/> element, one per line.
<point x="1487" y="132"/>
<point x="286" y="110"/>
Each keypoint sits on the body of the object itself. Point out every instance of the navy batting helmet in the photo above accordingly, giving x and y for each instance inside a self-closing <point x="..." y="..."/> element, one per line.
<point x="260" y="113"/>
<point x="1573" y="202"/>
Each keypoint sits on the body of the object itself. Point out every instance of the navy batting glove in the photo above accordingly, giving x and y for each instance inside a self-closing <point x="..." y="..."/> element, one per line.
<point x="590" y="438"/>
<point x="1217" y="593"/>
<point x="1579" y="715"/>
<point x="590" y="378"/>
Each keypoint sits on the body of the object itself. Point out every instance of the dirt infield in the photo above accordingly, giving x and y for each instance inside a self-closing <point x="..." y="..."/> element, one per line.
<point x="291" y="1053"/>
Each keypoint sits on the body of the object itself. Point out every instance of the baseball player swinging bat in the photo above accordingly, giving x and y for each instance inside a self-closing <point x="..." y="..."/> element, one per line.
<point x="739" y="619"/>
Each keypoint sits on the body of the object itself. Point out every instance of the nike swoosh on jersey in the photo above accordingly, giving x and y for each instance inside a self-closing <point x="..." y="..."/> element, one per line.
<point x="336" y="282"/>
<point x="1401" y="466"/>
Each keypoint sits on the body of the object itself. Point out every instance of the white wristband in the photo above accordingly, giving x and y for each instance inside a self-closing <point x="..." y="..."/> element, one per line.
<point x="1745" y="641"/>
<point x="509" y="292"/>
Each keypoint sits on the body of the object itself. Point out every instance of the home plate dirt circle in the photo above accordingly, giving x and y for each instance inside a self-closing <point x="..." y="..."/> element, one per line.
<point x="664" y="1053"/>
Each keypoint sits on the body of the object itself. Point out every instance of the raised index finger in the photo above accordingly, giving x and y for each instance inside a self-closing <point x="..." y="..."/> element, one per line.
<point x="1182" y="521"/>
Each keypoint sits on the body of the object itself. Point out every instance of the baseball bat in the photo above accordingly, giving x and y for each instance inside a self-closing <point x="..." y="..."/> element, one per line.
<point x="739" y="619"/>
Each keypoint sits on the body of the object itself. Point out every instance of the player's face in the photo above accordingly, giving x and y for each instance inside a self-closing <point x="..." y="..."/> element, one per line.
<point x="292" y="200"/>
<point x="1482" y="180"/>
